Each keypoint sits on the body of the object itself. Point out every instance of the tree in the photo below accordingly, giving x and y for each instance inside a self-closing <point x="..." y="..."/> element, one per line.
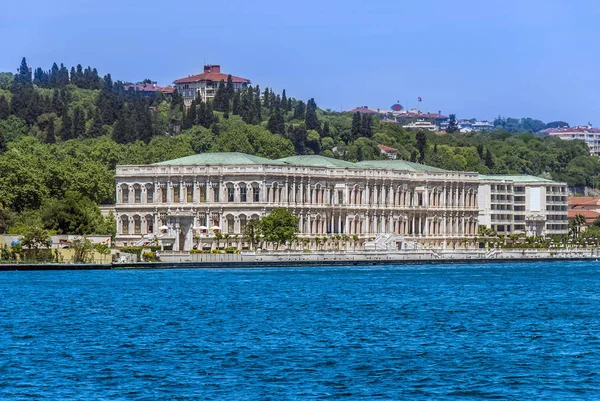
<point x="50" y="133"/>
<point x="557" y="124"/>
<point x="276" y="123"/>
<point x="221" y="99"/>
<point x="4" y="108"/>
<point x="356" y="127"/>
<point x="83" y="250"/>
<point x="96" y="127"/>
<point x="489" y="160"/>
<point x="78" y="122"/>
<point x="299" y="110"/>
<point x="284" y="101"/>
<point x="279" y="227"/>
<point x="421" y="145"/>
<point x="253" y="232"/>
<point x="452" y="125"/>
<point x="311" y="120"/>
<point x="75" y="214"/>
<point x="66" y="131"/>
<point x="36" y="238"/>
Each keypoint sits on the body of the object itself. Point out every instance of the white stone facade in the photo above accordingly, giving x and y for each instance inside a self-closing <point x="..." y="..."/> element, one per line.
<point x="523" y="205"/>
<point x="437" y="209"/>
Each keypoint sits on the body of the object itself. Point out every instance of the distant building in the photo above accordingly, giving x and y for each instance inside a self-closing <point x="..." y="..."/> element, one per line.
<point x="587" y="206"/>
<point x="392" y="153"/>
<point x="205" y="85"/>
<point x="523" y="204"/>
<point x="362" y="110"/>
<point x="150" y="88"/>
<point x="588" y="134"/>
<point x="465" y="126"/>
<point x="422" y="125"/>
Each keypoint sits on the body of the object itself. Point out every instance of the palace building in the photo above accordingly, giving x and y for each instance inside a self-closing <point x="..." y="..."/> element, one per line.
<point x="179" y="201"/>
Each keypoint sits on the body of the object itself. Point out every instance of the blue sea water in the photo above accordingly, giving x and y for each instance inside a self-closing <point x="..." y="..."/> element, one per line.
<point x="523" y="332"/>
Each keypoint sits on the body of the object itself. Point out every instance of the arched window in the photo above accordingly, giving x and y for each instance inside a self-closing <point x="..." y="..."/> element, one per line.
<point x="137" y="191"/>
<point x="125" y="193"/>
<point x="243" y="193"/>
<point x="149" y="223"/>
<point x="149" y="193"/>
<point x="125" y="224"/>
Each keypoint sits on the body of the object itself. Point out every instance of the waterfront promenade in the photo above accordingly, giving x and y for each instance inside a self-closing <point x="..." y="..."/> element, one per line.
<point x="338" y="258"/>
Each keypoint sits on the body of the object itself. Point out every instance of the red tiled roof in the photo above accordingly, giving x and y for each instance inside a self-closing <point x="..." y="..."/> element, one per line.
<point x="583" y="200"/>
<point x="362" y="110"/>
<point x="211" y="76"/>
<point x="387" y="148"/>
<point x="572" y="129"/>
<point x="590" y="215"/>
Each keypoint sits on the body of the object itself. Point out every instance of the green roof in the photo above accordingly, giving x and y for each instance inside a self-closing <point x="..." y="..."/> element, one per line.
<point x="316" y="161"/>
<point x="514" y="178"/>
<point x="221" y="158"/>
<point x="398" y="165"/>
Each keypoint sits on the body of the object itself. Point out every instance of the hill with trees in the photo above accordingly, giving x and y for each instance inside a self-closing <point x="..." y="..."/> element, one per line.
<point x="63" y="131"/>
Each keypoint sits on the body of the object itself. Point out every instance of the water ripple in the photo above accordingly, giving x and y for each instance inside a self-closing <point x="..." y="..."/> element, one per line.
<point x="527" y="331"/>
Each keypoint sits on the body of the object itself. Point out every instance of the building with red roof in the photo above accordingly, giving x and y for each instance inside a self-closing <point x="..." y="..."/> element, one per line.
<point x="587" y="206"/>
<point x="362" y="110"/>
<point x="149" y="88"/>
<point x="390" y="152"/>
<point x="205" y="85"/>
<point x="588" y="134"/>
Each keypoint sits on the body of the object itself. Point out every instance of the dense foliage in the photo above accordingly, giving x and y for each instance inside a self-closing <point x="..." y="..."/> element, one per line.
<point x="63" y="132"/>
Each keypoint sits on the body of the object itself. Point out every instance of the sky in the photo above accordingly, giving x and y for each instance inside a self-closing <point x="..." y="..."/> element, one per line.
<point x="475" y="58"/>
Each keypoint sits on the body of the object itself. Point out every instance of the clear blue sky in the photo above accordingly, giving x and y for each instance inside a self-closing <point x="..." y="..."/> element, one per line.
<point x="475" y="58"/>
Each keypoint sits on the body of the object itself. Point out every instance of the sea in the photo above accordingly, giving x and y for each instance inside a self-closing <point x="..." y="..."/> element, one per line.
<point x="527" y="331"/>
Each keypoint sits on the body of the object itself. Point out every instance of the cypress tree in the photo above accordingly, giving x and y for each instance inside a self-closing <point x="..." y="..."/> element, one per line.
<point x="96" y="127"/>
<point x="489" y="160"/>
<point x="66" y="131"/>
<point x="284" y="101"/>
<point x="311" y="119"/>
<point x="229" y="86"/>
<point x="78" y="122"/>
<point x="54" y="76"/>
<point x="299" y="111"/>
<point x="58" y="106"/>
<point x="326" y="130"/>
<point x="413" y="156"/>
<point x="73" y="76"/>
<point x="201" y="114"/>
<point x="4" y="108"/>
<point x="257" y="110"/>
<point x="266" y="99"/>
<point x="3" y="146"/>
<point x="421" y="139"/>
<point x="190" y="116"/>
<point x="236" y="104"/>
<point x="63" y="76"/>
<point x="50" y="134"/>
<point x="144" y="129"/>
<point x="125" y="127"/>
<point x="247" y="106"/>
<point x="356" y="126"/>
<point x="79" y="74"/>
<point x="276" y="124"/>
<point x="220" y="97"/>
<point x="23" y="78"/>
<point x="209" y="116"/>
<point x="366" y="126"/>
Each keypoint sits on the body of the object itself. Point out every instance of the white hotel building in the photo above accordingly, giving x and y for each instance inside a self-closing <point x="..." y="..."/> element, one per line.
<point x="181" y="200"/>
<point x="523" y="204"/>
